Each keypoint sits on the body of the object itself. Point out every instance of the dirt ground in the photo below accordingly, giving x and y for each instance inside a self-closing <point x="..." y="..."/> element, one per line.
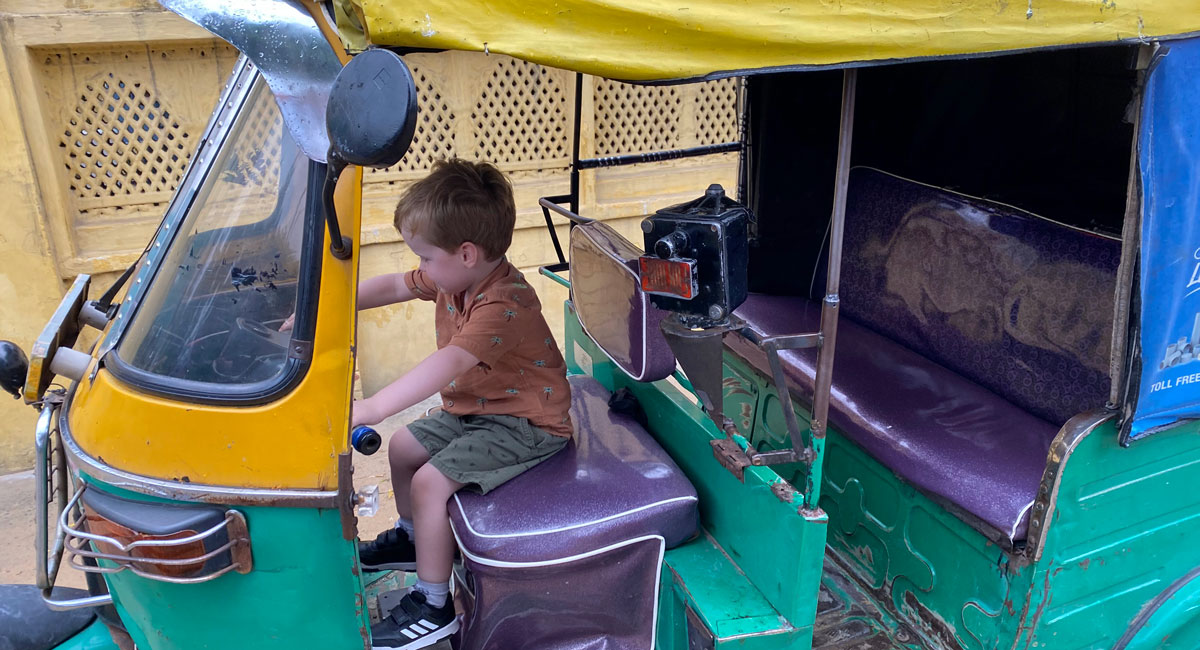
<point x="17" y="552"/>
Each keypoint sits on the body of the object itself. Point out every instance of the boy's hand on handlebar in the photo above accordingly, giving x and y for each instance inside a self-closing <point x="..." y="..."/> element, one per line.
<point x="362" y="411"/>
<point x="288" y="324"/>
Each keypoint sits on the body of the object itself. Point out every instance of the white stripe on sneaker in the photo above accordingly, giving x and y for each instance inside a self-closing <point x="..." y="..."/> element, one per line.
<point x="427" y="624"/>
<point x="408" y="634"/>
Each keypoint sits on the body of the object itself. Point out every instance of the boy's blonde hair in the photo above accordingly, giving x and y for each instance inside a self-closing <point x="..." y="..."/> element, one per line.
<point x="461" y="201"/>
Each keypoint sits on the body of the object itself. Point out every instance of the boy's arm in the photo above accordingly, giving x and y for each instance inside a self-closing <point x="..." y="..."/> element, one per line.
<point x="383" y="290"/>
<point x="373" y="292"/>
<point x="425" y="379"/>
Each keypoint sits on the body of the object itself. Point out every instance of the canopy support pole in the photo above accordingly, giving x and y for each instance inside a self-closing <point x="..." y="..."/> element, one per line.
<point x="829" y="307"/>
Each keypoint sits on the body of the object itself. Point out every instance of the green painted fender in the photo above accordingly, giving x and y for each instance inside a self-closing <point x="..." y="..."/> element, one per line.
<point x="92" y="637"/>
<point x="1170" y="620"/>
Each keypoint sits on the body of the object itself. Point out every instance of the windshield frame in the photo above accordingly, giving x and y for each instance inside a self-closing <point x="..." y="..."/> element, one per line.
<point x="234" y="99"/>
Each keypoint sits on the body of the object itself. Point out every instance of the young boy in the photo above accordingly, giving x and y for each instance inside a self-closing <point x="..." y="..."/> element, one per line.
<point x="502" y="380"/>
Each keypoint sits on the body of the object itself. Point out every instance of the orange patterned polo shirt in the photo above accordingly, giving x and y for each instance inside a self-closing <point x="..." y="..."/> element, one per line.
<point x="520" y="372"/>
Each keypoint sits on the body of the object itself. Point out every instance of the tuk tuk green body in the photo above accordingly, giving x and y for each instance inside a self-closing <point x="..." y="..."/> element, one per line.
<point x="843" y="544"/>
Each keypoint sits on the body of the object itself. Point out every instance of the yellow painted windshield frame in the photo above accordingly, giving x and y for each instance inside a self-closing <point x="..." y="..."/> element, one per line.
<point x="290" y="443"/>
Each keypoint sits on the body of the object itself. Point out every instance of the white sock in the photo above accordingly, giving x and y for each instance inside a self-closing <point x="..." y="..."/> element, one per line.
<point x="435" y="592"/>
<point x="405" y="525"/>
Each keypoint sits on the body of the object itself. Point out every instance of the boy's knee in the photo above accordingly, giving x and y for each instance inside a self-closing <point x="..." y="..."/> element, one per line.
<point x="429" y="482"/>
<point x="405" y="451"/>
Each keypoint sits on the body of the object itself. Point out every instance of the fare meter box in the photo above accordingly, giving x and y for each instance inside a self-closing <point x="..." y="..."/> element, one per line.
<point x="696" y="257"/>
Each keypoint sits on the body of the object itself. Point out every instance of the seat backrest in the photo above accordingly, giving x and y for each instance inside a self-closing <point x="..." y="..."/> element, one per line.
<point x="611" y="305"/>
<point x="1017" y="303"/>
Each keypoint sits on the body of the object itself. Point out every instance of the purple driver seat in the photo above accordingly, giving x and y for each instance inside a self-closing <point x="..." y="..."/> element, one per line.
<point x="569" y="554"/>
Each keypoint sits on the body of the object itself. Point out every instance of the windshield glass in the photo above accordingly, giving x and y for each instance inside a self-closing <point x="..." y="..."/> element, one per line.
<point x="229" y="279"/>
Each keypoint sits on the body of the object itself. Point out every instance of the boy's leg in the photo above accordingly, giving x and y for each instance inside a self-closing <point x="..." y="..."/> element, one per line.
<point x="435" y="543"/>
<point x="393" y="548"/>
<point x="425" y="614"/>
<point x="405" y="457"/>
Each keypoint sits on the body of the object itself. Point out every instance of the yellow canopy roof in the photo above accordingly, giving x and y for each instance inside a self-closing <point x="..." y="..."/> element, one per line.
<point x="674" y="39"/>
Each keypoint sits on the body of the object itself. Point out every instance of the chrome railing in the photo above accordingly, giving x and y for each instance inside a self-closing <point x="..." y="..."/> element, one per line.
<point x="77" y="541"/>
<point x="51" y="480"/>
<point x="52" y="484"/>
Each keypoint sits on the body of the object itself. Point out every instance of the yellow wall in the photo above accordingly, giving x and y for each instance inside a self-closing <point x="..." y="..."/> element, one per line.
<point x="78" y="200"/>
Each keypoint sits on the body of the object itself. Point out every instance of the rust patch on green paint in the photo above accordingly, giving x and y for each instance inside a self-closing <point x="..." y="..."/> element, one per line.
<point x="783" y="491"/>
<point x="863" y="554"/>
<point x="929" y="622"/>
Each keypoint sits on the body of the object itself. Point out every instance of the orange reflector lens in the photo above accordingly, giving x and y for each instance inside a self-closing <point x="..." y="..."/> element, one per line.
<point x="676" y="278"/>
<point x="100" y="526"/>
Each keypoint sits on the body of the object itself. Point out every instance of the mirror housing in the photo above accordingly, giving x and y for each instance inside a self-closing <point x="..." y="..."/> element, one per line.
<point x="14" y="367"/>
<point x="370" y="118"/>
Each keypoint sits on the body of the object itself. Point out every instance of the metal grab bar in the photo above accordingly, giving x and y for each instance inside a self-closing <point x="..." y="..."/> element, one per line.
<point x="47" y="566"/>
<point x="657" y="156"/>
<point x="46" y="442"/>
<point x="551" y="203"/>
<point x="238" y="545"/>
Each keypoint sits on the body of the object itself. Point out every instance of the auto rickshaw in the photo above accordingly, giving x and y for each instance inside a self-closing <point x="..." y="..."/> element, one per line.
<point x="988" y="210"/>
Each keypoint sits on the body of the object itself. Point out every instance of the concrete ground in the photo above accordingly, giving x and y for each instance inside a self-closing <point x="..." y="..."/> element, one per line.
<point x="17" y="553"/>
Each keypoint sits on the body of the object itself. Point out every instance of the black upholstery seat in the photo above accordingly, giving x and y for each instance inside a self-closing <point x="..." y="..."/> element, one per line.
<point x="26" y="623"/>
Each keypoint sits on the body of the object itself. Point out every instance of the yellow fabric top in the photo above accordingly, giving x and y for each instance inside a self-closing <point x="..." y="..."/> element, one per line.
<point x="645" y="40"/>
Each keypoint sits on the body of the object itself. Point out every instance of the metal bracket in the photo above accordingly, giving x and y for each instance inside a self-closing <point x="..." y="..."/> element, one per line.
<point x="700" y="352"/>
<point x="730" y="455"/>
<point x="800" y="452"/>
<point x="300" y="349"/>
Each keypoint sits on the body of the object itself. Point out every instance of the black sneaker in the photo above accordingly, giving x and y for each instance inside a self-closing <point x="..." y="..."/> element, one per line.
<point x="414" y="624"/>
<point x="392" y="550"/>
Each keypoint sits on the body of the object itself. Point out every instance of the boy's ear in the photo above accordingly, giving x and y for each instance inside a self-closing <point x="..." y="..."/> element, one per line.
<point x="469" y="254"/>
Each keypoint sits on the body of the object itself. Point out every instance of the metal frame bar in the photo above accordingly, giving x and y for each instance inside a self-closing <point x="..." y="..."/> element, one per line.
<point x="1120" y="380"/>
<point x="829" y="307"/>
<point x="46" y="566"/>
<point x="658" y="156"/>
<point x="553" y="203"/>
<point x="824" y="340"/>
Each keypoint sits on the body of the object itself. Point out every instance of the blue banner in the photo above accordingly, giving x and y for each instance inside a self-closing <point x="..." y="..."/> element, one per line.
<point x="1169" y="382"/>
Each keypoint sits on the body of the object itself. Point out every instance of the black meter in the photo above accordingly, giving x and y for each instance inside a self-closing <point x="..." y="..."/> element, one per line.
<point x="696" y="258"/>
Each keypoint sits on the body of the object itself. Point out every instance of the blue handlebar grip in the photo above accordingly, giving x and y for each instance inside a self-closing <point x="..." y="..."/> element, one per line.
<point x="365" y="439"/>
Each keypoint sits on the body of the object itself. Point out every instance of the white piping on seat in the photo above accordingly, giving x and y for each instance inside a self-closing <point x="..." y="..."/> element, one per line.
<point x="618" y="515"/>
<point x="1012" y="533"/>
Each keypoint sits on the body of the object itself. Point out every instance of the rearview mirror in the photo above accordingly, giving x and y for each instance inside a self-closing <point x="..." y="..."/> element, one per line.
<point x="371" y="117"/>
<point x="14" y="366"/>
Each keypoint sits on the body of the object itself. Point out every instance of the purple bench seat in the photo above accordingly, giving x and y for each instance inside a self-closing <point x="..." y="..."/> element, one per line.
<point x="969" y="332"/>
<point x="572" y="549"/>
<point x="942" y="433"/>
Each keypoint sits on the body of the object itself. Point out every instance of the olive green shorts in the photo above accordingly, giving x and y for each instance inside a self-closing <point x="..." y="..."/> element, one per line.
<point x="483" y="451"/>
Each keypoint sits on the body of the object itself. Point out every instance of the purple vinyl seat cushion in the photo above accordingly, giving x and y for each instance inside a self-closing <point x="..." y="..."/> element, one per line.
<point x="936" y="429"/>
<point x="612" y="483"/>
<point x="969" y="332"/>
<point x="1014" y="302"/>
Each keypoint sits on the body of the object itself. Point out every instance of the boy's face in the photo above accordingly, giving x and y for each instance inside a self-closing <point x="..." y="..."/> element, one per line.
<point x="451" y="271"/>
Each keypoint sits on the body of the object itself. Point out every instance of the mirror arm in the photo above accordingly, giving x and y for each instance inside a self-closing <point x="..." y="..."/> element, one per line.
<point x="339" y="245"/>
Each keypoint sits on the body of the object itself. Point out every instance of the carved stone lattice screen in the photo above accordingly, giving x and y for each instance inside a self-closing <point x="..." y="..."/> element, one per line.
<point x="506" y="111"/>
<point x="633" y="119"/>
<point x="122" y="123"/>
<point x="520" y="121"/>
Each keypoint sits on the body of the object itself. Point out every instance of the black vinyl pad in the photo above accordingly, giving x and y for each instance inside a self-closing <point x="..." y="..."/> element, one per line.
<point x="26" y="623"/>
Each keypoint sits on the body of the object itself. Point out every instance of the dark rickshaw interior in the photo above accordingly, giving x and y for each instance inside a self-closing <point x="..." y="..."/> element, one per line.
<point x="982" y="241"/>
